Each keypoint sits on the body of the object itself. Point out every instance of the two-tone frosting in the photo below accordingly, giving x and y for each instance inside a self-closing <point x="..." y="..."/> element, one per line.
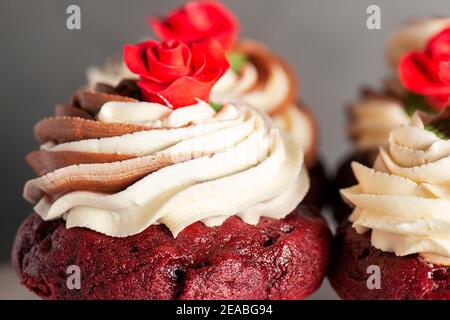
<point x="178" y="167"/>
<point x="405" y="199"/>
<point x="264" y="82"/>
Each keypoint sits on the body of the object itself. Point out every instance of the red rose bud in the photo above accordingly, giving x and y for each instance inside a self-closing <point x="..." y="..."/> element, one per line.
<point x="198" y="20"/>
<point x="421" y="73"/>
<point x="444" y="72"/>
<point x="175" y="73"/>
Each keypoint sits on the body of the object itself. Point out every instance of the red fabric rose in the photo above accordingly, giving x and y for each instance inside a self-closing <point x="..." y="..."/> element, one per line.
<point x="420" y="72"/>
<point x="174" y="73"/>
<point x="198" y="20"/>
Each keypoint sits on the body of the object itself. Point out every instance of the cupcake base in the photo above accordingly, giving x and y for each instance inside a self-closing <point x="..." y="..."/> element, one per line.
<point x="409" y="277"/>
<point x="276" y="259"/>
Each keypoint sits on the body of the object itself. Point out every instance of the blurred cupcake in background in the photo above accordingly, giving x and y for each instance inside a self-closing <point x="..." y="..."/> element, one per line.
<point x="371" y="119"/>
<point x="399" y="223"/>
<point x="256" y="76"/>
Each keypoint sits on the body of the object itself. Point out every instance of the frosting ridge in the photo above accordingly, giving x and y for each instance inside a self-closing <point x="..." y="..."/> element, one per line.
<point x="405" y="199"/>
<point x="196" y="164"/>
<point x="372" y="119"/>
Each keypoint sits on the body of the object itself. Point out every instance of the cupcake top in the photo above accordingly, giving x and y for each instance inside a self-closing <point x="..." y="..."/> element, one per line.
<point x="373" y="117"/>
<point x="119" y="159"/>
<point x="256" y="76"/>
<point x="404" y="200"/>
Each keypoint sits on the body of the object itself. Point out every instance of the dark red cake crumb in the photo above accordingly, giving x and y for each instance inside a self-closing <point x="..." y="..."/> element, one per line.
<point x="409" y="277"/>
<point x="277" y="259"/>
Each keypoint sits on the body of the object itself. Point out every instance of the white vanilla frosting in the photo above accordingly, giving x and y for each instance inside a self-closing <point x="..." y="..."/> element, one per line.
<point x="405" y="200"/>
<point x="241" y="166"/>
<point x="372" y="120"/>
<point x="112" y="72"/>
<point x="233" y="87"/>
<point x="239" y="88"/>
<point x="298" y="125"/>
<point x="412" y="37"/>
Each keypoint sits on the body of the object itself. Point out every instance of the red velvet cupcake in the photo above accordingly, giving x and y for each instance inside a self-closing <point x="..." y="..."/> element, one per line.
<point x="148" y="190"/>
<point x="398" y="246"/>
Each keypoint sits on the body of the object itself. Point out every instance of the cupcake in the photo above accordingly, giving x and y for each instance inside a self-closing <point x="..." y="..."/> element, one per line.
<point x="371" y="119"/>
<point x="398" y="225"/>
<point x="151" y="191"/>
<point x="256" y="76"/>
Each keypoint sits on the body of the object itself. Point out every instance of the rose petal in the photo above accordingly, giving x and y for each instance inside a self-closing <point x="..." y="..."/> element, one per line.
<point x="414" y="75"/>
<point x="208" y="55"/>
<point x="133" y="59"/>
<point x="196" y="21"/>
<point x="444" y="72"/>
<point x="163" y="71"/>
<point x="423" y="72"/>
<point x="175" y="93"/>
<point x="439" y="46"/>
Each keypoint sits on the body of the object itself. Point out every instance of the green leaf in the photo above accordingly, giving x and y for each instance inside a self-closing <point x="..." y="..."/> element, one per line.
<point x="415" y="102"/>
<point x="237" y="61"/>
<point x="440" y="125"/>
<point x="436" y="131"/>
<point x="216" y="106"/>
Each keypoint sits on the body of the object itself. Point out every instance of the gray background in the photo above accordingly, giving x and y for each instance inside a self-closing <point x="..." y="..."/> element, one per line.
<point x="42" y="63"/>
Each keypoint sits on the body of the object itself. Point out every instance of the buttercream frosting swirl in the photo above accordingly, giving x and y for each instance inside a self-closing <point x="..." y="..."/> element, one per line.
<point x="216" y="164"/>
<point x="268" y="84"/>
<point x="372" y="119"/>
<point x="405" y="199"/>
<point x="244" y="87"/>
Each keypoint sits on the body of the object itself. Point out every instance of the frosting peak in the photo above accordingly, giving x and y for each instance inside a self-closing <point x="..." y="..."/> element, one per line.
<point x="405" y="199"/>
